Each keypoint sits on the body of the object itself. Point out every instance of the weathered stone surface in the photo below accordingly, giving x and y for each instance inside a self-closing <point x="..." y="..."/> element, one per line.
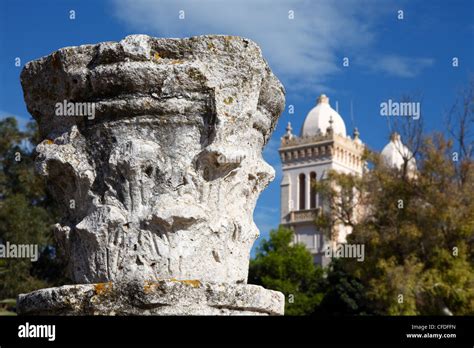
<point x="165" y="297"/>
<point x="163" y="180"/>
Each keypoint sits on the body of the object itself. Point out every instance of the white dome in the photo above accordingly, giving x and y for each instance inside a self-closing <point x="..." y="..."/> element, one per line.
<point x="394" y="152"/>
<point x="318" y="119"/>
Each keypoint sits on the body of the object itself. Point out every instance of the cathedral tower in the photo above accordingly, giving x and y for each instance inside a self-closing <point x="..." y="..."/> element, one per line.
<point x="322" y="146"/>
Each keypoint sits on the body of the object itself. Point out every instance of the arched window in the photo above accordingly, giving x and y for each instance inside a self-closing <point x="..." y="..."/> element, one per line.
<point x="302" y="187"/>
<point x="312" y="197"/>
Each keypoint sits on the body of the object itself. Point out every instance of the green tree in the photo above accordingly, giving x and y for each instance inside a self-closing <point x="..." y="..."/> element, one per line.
<point x="344" y="294"/>
<point x="26" y="212"/>
<point x="286" y="267"/>
<point x="418" y="232"/>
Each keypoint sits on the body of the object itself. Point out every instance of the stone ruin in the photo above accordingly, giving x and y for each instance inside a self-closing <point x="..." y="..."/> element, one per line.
<point x="152" y="148"/>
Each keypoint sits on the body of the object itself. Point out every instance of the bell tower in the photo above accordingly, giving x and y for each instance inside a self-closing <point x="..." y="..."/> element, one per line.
<point x="322" y="146"/>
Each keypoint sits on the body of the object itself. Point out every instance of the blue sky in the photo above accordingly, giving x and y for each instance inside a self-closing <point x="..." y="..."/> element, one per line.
<point x="388" y="57"/>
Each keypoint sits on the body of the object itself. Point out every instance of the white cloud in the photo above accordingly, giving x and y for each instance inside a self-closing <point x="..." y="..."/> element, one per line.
<point x="305" y="50"/>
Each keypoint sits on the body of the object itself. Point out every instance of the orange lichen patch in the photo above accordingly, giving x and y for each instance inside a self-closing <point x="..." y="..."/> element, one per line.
<point x="177" y="61"/>
<point x="49" y="141"/>
<point x="227" y="41"/>
<point x="156" y="56"/>
<point x="193" y="282"/>
<point x="149" y="286"/>
<point x="103" y="288"/>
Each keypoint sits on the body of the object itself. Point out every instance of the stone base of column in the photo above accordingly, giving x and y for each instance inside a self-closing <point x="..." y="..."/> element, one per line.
<point x="163" y="297"/>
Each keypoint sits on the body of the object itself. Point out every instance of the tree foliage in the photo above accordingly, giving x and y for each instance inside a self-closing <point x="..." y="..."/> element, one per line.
<point x="283" y="266"/>
<point x="26" y="212"/>
<point x="418" y="233"/>
<point x="344" y="294"/>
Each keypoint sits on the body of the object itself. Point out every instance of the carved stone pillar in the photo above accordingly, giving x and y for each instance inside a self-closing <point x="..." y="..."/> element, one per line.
<point x="143" y="136"/>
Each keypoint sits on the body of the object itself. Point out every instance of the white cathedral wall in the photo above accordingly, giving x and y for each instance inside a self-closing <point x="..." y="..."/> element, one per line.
<point x="285" y="195"/>
<point x="343" y="168"/>
<point x="293" y="175"/>
<point x="307" y="233"/>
